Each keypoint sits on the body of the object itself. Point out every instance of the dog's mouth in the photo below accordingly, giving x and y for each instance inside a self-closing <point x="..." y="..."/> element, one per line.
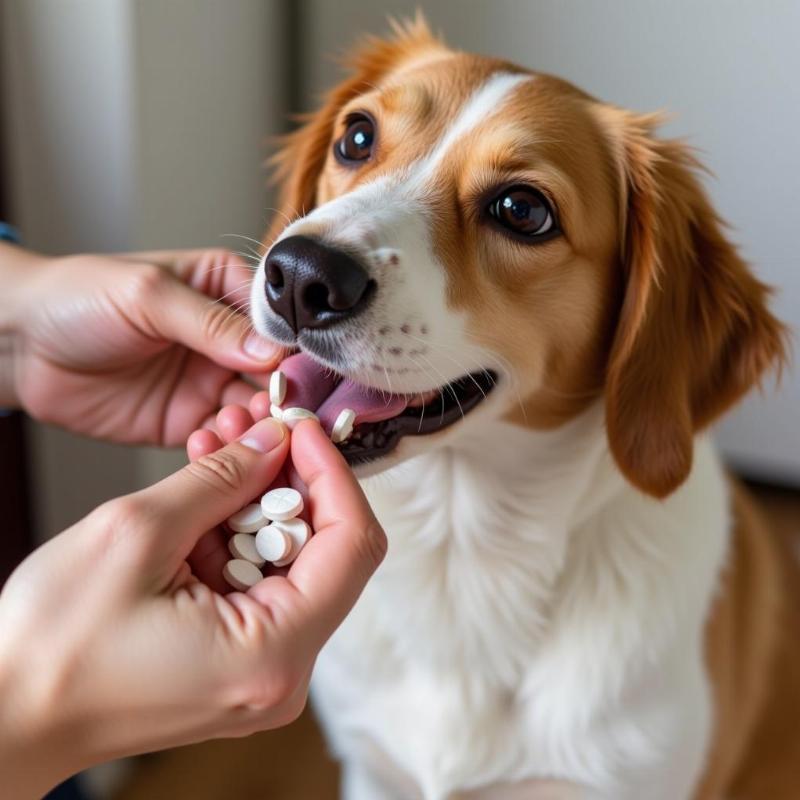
<point x="381" y="418"/>
<point x="426" y="413"/>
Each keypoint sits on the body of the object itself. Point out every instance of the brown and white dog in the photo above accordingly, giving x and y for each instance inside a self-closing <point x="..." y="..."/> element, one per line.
<point x="532" y="306"/>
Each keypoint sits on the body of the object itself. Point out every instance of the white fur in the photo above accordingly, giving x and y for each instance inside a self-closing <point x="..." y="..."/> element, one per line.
<point x="536" y="630"/>
<point x="484" y="104"/>
<point x="536" y="618"/>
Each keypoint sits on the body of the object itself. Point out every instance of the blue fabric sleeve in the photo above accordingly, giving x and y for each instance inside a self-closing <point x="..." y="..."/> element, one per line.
<point x="8" y="233"/>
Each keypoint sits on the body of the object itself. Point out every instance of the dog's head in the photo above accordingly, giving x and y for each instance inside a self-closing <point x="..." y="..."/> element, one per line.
<point x="471" y="239"/>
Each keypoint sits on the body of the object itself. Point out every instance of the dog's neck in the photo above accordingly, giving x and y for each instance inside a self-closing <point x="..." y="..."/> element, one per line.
<point x="479" y="530"/>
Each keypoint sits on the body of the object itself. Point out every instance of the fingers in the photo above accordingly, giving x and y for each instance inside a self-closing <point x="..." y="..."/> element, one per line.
<point x="204" y="493"/>
<point x="216" y="272"/>
<point x="209" y="556"/>
<point x="176" y="312"/>
<point x="237" y="392"/>
<point x="259" y="405"/>
<point x="349" y="544"/>
<point x="208" y="560"/>
<point x="232" y="422"/>
<point x="232" y="427"/>
<point x="201" y="443"/>
<point x="176" y="293"/>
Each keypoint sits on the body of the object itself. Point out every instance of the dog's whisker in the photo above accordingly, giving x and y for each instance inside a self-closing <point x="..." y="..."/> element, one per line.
<point x="230" y="292"/>
<point x="247" y="256"/>
<point x="248" y="238"/>
<point x="422" y="410"/>
<point x="446" y="385"/>
<point x="388" y="399"/>
<point x="504" y="366"/>
<point x="282" y="214"/>
<point x="461" y="366"/>
<point x="469" y="373"/>
<point x="221" y="267"/>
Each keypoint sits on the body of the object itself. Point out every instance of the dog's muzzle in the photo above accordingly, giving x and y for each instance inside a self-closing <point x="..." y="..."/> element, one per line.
<point x="311" y="285"/>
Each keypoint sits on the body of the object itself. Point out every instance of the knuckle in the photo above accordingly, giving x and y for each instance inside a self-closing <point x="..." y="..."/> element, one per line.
<point x="119" y="520"/>
<point x="219" y="470"/>
<point x="208" y="270"/>
<point x="274" y="693"/>
<point x="119" y="513"/>
<point x="221" y="254"/>
<point x="373" y="545"/>
<point x="147" y="280"/>
<point x="216" y="319"/>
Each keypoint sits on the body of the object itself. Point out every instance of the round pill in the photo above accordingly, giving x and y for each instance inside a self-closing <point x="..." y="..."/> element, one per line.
<point x="248" y="520"/>
<point x="243" y="545"/>
<point x="299" y="532"/>
<point x="277" y="387"/>
<point x="281" y="504"/>
<point x="241" y="574"/>
<point x="272" y="543"/>
<point x="293" y="415"/>
<point x="275" y="411"/>
<point x="343" y="426"/>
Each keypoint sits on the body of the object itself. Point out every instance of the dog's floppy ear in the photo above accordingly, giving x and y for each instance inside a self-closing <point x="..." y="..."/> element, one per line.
<point x="302" y="156"/>
<point x="694" y="331"/>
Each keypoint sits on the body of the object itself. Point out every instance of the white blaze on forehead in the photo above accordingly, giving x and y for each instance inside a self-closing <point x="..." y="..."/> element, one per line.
<point x="484" y="103"/>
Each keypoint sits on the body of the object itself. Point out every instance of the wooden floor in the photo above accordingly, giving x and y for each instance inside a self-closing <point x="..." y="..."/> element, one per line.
<point x="292" y="764"/>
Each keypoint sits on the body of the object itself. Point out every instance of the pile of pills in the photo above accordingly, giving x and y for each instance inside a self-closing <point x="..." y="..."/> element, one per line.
<point x="267" y="531"/>
<point x="272" y="531"/>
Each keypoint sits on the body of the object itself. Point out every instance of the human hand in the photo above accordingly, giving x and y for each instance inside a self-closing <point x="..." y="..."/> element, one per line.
<point x="211" y="553"/>
<point x="110" y="646"/>
<point x="132" y="348"/>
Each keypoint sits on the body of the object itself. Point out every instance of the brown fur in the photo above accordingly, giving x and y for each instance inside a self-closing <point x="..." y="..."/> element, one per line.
<point x="753" y="651"/>
<point x="302" y="157"/>
<point x="694" y="332"/>
<point x="643" y="300"/>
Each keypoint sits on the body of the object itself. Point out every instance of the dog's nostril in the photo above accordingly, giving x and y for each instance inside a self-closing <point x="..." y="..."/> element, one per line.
<point x="313" y="285"/>
<point x="274" y="276"/>
<point x="316" y="298"/>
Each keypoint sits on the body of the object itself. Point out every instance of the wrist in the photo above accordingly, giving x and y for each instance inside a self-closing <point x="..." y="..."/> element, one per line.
<point x="32" y="758"/>
<point x="19" y="269"/>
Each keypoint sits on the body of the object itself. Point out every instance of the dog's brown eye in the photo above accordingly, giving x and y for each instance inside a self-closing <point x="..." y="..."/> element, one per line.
<point x="356" y="144"/>
<point x="523" y="210"/>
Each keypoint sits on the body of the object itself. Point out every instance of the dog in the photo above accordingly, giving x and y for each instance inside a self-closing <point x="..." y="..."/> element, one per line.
<point x="537" y="313"/>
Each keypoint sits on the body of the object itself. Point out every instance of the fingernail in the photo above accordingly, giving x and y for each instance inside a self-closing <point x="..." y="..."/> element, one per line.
<point x="265" y="435"/>
<point x="259" y="348"/>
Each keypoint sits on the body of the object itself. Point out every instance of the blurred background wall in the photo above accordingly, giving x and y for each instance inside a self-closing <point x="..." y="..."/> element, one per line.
<point x="144" y="123"/>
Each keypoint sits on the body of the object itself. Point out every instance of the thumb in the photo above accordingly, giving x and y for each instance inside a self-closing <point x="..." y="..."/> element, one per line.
<point x="188" y="503"/>
<point x="181" y="314"/>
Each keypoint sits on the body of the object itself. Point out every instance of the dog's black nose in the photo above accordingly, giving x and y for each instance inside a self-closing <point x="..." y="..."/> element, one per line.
<point x="312" y="285"/>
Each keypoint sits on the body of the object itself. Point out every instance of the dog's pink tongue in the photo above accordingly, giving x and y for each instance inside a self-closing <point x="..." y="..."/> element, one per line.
<point x="308" y="383"/>
<point x="370" y="405"/>
<point x="314" y="387"/>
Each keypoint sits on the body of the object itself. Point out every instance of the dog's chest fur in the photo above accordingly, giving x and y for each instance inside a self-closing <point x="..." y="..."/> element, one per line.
<point x="521" y="623"/>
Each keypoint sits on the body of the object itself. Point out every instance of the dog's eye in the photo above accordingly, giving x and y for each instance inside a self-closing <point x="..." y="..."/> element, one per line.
<point x="356" y="144"/>
<point x="522" y="210"/>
